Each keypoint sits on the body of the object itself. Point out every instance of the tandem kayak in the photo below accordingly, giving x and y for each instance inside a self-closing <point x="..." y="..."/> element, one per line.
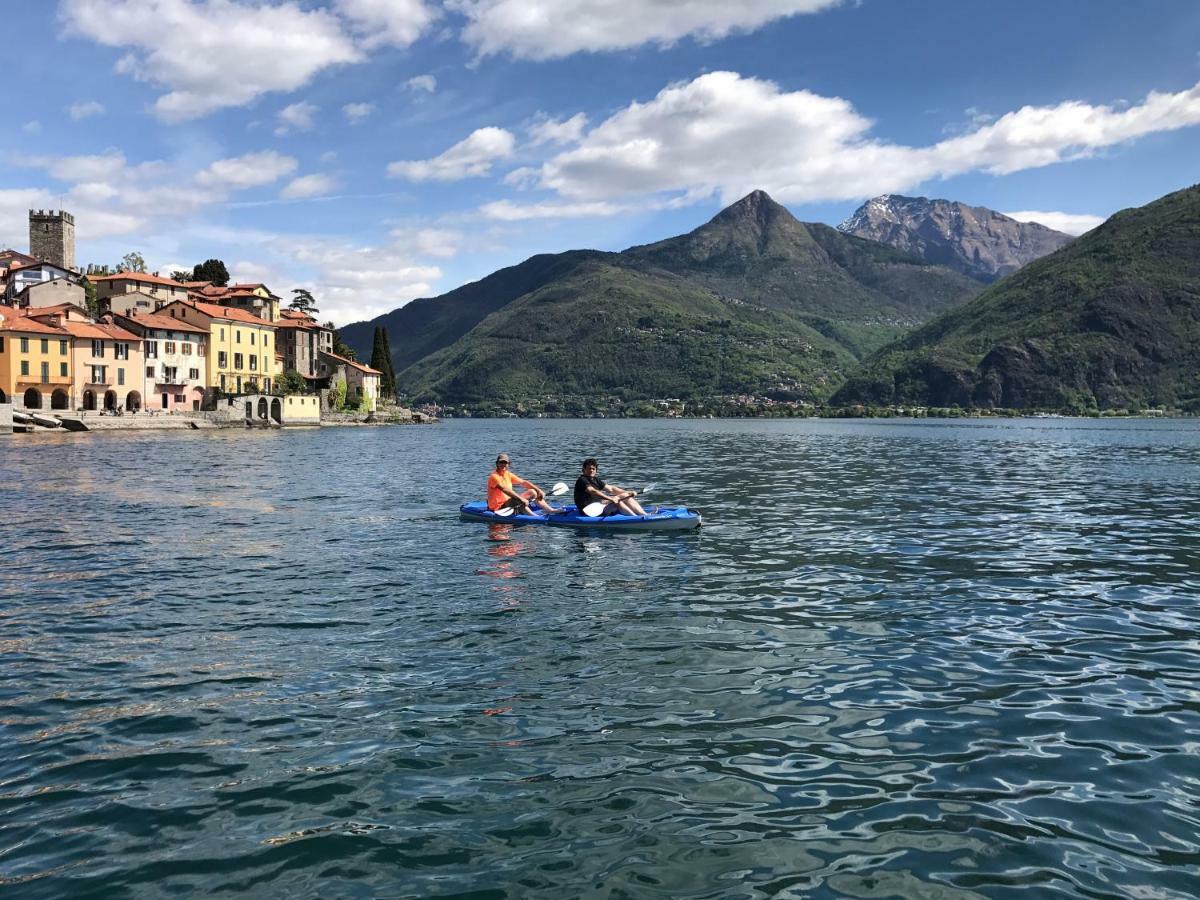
<point x="668" y="518"/>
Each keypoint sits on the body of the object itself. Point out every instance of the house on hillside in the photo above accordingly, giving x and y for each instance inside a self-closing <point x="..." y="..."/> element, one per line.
<point x="176" y="359"/>
<point x="143" y="291"/>
<point x="25" y="276"/>
<point x="362" y="382"/>
<point x="241" y="346"/>
<point x="301" y="341"/>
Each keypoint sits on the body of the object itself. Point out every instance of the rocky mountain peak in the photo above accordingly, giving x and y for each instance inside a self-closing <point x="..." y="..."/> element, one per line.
<point x="974" y="240"/>
<point x="756" y="208"/>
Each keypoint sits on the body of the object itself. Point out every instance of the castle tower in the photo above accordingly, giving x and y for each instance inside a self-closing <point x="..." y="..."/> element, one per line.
<point x="52" y="237"/>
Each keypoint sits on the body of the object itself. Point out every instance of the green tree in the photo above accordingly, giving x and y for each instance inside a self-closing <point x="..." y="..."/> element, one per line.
<point x="211" y="270"/>
<point x="303" y="301"/>
<point x="380" y="361"/>
<point x="290" y="382"/>
<point x="89" y="298"/>
<point x="390" y="387"/>
<point x="132" y="262"/>
<point x="179" y="275"/>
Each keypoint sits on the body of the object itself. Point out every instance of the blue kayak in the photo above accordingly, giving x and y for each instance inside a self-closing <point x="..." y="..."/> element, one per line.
<point x="672" y="518"/>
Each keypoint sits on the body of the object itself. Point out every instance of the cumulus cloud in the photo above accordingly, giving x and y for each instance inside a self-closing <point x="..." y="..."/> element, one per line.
<point x="550" y="131"/>
<point x="551" y="29"/>
<point x="212" y="54"/>
<point x="248" y="170"/>
<point x="469" y="158"/>
<point x="507" y="211"/>
<point x="295" y="117"/>
<point x="1068" y="223"/>
<point x="439" y="242"/>
<point x="394" y="22"/>
<point x="725" y="134"/>
<point x="308" y="186"/>
<point x="426" y="83"/>
<point x="85" y="109"/>
<point x="357" y="112"/>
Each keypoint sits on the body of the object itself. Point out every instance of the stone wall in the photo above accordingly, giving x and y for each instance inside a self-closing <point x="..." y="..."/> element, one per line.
<point x="264" y="410"/>
<point x="5" y="418"/>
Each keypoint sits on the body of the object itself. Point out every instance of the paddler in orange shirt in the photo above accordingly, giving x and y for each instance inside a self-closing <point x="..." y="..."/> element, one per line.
<point x="501" y="495"/>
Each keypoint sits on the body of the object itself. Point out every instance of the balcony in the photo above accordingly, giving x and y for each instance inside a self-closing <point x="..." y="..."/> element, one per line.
<point x="170" y="378"/>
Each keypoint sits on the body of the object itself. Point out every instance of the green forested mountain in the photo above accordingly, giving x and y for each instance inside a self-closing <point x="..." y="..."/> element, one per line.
<point x="751" y="302"/>
<point x="1111" y="320"/>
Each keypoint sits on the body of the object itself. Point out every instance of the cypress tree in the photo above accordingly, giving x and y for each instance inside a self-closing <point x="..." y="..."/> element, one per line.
<point x="379" y="360"/>
<point x="391" y="372"/>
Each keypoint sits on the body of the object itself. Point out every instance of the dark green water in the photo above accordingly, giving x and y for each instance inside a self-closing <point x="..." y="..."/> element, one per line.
<point x="901" y="660"/>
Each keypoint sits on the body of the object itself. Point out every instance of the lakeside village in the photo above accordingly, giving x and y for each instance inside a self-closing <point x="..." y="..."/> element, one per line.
<point x="87" y="351"/>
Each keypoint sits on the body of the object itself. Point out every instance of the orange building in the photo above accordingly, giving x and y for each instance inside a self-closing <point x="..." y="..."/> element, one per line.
<point x="35" y="361"/>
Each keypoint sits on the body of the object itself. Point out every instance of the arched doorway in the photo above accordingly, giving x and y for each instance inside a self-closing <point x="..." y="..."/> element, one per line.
<point x="197" y="397"/>
<point x="110" y="399"/>
<point x="277" y="411"/>
<point x="262" y="407"/>
<point x="60" y="399"/>
<point x="133" y="401"/>
<point x="33" y="399"/>
<point x="89" y="399"/>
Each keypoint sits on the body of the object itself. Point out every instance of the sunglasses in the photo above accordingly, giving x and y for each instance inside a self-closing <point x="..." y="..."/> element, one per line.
<point x="503" y="462"/>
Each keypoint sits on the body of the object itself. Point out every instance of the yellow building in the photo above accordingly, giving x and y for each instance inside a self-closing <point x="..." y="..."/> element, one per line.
<point x="241" y="346"/>
<point x="35" y="362"/>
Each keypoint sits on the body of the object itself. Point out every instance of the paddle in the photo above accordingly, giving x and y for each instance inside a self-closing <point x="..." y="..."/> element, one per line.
<point x="594" y="509"/>
<point x="557" y="491"/>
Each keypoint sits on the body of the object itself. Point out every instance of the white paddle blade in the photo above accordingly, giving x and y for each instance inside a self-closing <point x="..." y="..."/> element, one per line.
<point x="558" y="490"/>
<point x="594" y="509"/>
<point x="648" y="488"/>
<point x="505" y="511"/>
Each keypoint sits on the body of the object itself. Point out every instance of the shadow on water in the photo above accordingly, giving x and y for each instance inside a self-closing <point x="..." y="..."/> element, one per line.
<point x="902" y="659"/>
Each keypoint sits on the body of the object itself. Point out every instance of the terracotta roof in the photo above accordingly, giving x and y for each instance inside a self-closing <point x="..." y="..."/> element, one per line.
<point x="136" y="276"/>
<point x="99" y="332"/>
<point x="216" y="311"/>
<point x="158" y="320"/>
<point x="357" y="365"/>
<point x="24" y="324"/>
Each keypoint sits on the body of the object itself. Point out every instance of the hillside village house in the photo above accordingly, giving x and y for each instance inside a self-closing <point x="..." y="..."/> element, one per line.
<point x="21" y="278"/>
<point x="361" y="381"/>
<point x="301" y="341"/>
<point x="241" y="346"/>
<point x="176" y="359"/>
<point x="254" y="298"/>
<point x="125" y="291"/>
<point x="35" y="362"/>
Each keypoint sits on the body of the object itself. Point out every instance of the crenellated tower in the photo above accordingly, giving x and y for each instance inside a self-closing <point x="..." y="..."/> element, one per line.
<point x="52" y="237"/>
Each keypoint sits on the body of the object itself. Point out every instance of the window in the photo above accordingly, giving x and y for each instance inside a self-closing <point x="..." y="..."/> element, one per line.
<point x="185" y="348"/>
<point x="222" y="360"/>
<point x="45" y="373"/>
<point x="120" y="351"/>
<point x="151" y="349"/>
<point x="194" y="374"/>
<point x="25" y="348"/>
<point x="266" y="340"/>
<point x="201" y="349"/>
<point x="24" y="365"/>
<point x="149" y="371"/>
<point x="1" y="345"/>
<point x="222" y="334"/>
<point x="237" y="336"/>
<point x="45" y="345"/>
<point x="121" y="376"/>
<point x="168" y="347"/>
<point x="222" y="380"/>
<point x="62" y="369"/>
<point x="252" y="337"/>
<point x="62" y="348"/>
<point x="98" y="375"/>
<point x="253" y="363"/>
<point x="237" y="360"/>
<point x="170" y="375"/>
<point x="98" y="349"/>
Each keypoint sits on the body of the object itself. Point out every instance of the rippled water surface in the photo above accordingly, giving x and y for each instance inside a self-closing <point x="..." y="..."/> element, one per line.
<point x="901" y="659"/>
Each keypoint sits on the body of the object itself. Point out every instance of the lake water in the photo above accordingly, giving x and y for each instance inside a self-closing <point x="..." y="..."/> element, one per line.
<point x="901" y="659"/>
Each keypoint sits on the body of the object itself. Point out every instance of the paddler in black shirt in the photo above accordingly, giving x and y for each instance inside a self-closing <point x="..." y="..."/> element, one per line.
<point x="590" y="489"/>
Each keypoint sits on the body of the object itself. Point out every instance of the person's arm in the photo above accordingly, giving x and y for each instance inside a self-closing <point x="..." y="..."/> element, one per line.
<point x="538" y="493"/>
<point x="592" y="489"/>
<point x="621" y="492"/>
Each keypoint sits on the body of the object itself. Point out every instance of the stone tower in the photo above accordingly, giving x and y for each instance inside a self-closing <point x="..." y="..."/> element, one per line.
<point x="52" y="237"/>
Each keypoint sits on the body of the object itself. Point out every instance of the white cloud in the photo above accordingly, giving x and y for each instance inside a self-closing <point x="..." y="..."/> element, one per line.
<point x="295" y="117"/>
<point x="33" y="126"/>
<point x="506" y="211"/>
<point x="15" y="204"/>
<point x="1068" y="223"/>
<point x="85" y="110"/>
<point x="249" y="170"/>
<point x="551" y="29"/>
<point x="469" y="158"/>
<point x="309" y="186"/>
<point x="92" y="167"/>
<point x="549" y="131"/>
<point x="438" y="242"/>
<point x="212" y="54"/>
<point x="395" y="22"/>
<point x="725" y="134"/>
<point x="425" y="83"/>
<point x="357" y="112"/>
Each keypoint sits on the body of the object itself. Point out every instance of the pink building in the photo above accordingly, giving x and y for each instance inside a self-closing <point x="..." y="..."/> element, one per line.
<point x="176" y="357"/>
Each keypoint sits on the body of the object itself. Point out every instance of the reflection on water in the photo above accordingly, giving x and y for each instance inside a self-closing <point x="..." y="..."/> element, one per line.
<point x="902" y="659"/>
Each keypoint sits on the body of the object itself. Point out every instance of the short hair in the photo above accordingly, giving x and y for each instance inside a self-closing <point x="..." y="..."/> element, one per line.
<point x="590" y="462"/>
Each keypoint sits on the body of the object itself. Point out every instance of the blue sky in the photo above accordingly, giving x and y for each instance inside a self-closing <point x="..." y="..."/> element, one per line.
<point x="375" y="151"/>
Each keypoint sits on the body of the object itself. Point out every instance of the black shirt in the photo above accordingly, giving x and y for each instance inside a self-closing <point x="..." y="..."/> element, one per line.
<point x="582" y="496"/>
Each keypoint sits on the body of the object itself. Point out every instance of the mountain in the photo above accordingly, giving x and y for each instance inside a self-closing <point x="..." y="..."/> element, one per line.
<point x="753" y="301"/>
<point x="974" y="240"/>
<point x="1111" y="320"/>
